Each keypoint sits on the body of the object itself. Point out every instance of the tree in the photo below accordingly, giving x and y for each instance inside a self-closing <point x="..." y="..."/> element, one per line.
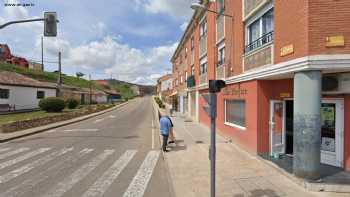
<point x="80" y="75"/>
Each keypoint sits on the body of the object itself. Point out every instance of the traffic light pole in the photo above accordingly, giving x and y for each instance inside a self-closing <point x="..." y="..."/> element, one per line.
<point x="21" y="21"/>
<point x="213" y="108"/>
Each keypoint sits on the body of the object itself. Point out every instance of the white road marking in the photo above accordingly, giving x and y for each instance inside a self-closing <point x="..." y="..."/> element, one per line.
<point x="152" y="134"/>
<point x="112" y="116"/>
<point x="8" y="154"/>
<point x="52" y="171"/>
<point x="103" y="183"/>
<point x="139" y="183"/>
<point x="23" y="157"/>
<point x="99" y="120"/>
<point x="78" y="175"/>
<point x="75" y="130"/>
<point x="4" y="150"/>
<point x="26" y="168"/>
<point x="30" y="183"/>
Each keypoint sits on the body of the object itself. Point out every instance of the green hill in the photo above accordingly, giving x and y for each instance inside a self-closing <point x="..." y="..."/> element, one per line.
<point x="50" y="76"/>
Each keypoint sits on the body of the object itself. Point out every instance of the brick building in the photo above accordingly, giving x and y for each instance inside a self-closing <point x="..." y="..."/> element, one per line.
<point x="165" y="88"/>
<point x="287" y="69"/>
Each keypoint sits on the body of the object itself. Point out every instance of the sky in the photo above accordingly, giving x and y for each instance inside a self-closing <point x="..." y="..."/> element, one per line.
<point x="130" y="40"/>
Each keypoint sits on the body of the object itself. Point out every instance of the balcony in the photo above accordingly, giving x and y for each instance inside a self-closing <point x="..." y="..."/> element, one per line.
<point x="203" y="46"/>
<point x="220" y="72"/>
<point x="220" y="27"/>
<point x="263" y="40"/>
<point x="191" y="81"/>
<point x="203" y="79"/>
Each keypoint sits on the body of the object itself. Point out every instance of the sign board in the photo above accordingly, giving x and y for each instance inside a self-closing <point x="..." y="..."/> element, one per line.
<point x="335" y="41"/>
<point x="287" y="50"/>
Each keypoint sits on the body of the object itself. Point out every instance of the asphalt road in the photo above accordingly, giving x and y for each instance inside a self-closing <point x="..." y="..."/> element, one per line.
<point x="115" y="154"/>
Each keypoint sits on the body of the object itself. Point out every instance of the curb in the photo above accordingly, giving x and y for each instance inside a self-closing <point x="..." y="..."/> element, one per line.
<point x="35" y="130"/>
<point x="167" y="169"/>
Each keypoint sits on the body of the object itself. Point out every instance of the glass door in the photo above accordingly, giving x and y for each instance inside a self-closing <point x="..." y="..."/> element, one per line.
<point x="277" y="137"/>
<point x="332" y="124"/>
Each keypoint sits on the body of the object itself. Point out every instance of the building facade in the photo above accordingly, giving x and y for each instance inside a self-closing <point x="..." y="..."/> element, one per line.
<point x="287" y="69"/>
<point x="165" y="88"/>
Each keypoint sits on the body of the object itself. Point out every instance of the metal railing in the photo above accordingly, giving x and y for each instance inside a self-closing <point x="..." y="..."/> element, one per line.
<point x="266" y="38"/>
<point x="203" y="78"/>
<point x="203" y="45"/>
<point x="220" y="72"/>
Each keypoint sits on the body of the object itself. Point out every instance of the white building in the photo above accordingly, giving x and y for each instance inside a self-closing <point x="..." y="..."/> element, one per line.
<point x="19" y="92"/>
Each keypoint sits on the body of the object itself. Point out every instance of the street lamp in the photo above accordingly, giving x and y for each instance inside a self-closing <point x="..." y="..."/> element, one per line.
<point x="215" y="86"/>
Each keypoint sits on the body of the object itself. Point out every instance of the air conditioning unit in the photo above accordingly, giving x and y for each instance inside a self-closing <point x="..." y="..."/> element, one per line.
<point x="330" y="83"/>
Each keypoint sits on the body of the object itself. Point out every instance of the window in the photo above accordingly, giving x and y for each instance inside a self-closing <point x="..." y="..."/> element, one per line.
<point x="192" y="70"/>
<point x="181" y="79"/>
<point x="235" y="112"/>
<point x="186" y="76"/>
<point x="221" y="6"/>
<point x="203" y="29"/>
<point x="186" y="50"/>
<point x="260" y="31"/>
<point x="4" y="93"/>
<point x="40" y="94"/>
<point x="204" y="68"/>
<point x="192" y="43"/>
<point x="221" y="56"/>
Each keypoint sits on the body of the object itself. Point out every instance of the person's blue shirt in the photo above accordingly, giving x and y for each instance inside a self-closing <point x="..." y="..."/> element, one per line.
<point x="165" y="125"/>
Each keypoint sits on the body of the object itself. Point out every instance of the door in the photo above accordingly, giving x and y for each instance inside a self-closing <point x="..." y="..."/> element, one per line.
<point x="332" y="132"/>
<point x="277" y="140"/>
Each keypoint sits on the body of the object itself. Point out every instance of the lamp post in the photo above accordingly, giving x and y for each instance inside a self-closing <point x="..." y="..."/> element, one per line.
<point x="215" y="86"/>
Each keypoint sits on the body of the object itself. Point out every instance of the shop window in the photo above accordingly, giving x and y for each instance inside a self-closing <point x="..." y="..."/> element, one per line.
<point x="235" y="113"/>
<point x="4" y="93"/>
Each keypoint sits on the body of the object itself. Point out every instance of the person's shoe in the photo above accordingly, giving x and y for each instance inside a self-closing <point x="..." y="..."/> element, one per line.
<point x="171" y="142"/>
<point x="166" y="151"/>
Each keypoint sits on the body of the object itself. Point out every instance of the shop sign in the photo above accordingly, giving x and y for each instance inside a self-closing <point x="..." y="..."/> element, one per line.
<point x="234" y="91"/>
<point x="285" y="95"/>
<point x="335" y="41"/>
<point x="286" y="50"/>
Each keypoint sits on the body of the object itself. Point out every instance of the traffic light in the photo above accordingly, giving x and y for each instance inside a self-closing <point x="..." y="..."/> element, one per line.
<point x="50" y="24"/>
<point x="216" y="85"/>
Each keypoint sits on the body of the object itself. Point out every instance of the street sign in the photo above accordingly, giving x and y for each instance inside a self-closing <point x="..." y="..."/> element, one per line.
<point x="50" y="24"/>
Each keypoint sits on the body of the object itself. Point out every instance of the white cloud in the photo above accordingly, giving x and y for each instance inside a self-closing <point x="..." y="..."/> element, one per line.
<point x="177" y="8"/>
<point x="184" y="26"/>
<point x="110" y="56"/>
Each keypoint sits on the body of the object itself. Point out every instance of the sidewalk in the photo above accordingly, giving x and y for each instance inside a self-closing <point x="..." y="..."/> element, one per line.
<point x="238" y="173"/>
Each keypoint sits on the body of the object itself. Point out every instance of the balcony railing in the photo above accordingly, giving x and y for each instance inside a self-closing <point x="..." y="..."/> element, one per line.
<point x="203" y="78"/>
<point x="191" y="81"/>
<point x="267" y="38"/>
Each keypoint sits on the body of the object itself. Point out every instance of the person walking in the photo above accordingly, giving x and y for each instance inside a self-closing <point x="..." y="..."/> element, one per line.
<point x="165" y="129"/>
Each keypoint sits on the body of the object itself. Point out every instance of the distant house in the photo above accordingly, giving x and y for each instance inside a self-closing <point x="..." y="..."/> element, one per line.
<point x="136" y="90"/>
<point x="113" y="96"/>
<point x="35" y="66"/>
<point x="83" y="94"/>
<point x="18" y="92"/>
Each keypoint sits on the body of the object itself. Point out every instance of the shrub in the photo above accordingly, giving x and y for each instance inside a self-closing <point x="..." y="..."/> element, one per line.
<point x="52" y="104"/>
<point x="72" y="103"/>
<point x="159" y="102"/>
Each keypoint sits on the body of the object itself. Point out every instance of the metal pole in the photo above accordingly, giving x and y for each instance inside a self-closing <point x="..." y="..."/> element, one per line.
<point x="21" y="21"/>
<point x="90" y="89"/>
<point x="42" y="52"/>
<point x="213" y="98"/>
<point x="59" y="82"/>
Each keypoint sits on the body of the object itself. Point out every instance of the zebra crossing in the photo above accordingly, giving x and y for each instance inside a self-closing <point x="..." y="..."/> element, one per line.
<point x="16" y="163"/>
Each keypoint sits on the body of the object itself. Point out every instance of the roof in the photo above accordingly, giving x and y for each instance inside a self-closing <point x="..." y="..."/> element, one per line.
<point x="112" y="92"/>
<point x="15" y="79"/>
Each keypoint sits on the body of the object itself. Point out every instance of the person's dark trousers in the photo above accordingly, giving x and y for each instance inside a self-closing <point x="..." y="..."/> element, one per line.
<point x="165" y="141"/>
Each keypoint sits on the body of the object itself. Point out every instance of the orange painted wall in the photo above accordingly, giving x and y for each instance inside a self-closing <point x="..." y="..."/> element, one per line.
<point x="245" y="138"/>
<point x="266" y="93"/>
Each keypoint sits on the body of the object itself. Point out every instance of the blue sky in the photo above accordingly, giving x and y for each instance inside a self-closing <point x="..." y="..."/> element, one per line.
<point x="131" y="40"/>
